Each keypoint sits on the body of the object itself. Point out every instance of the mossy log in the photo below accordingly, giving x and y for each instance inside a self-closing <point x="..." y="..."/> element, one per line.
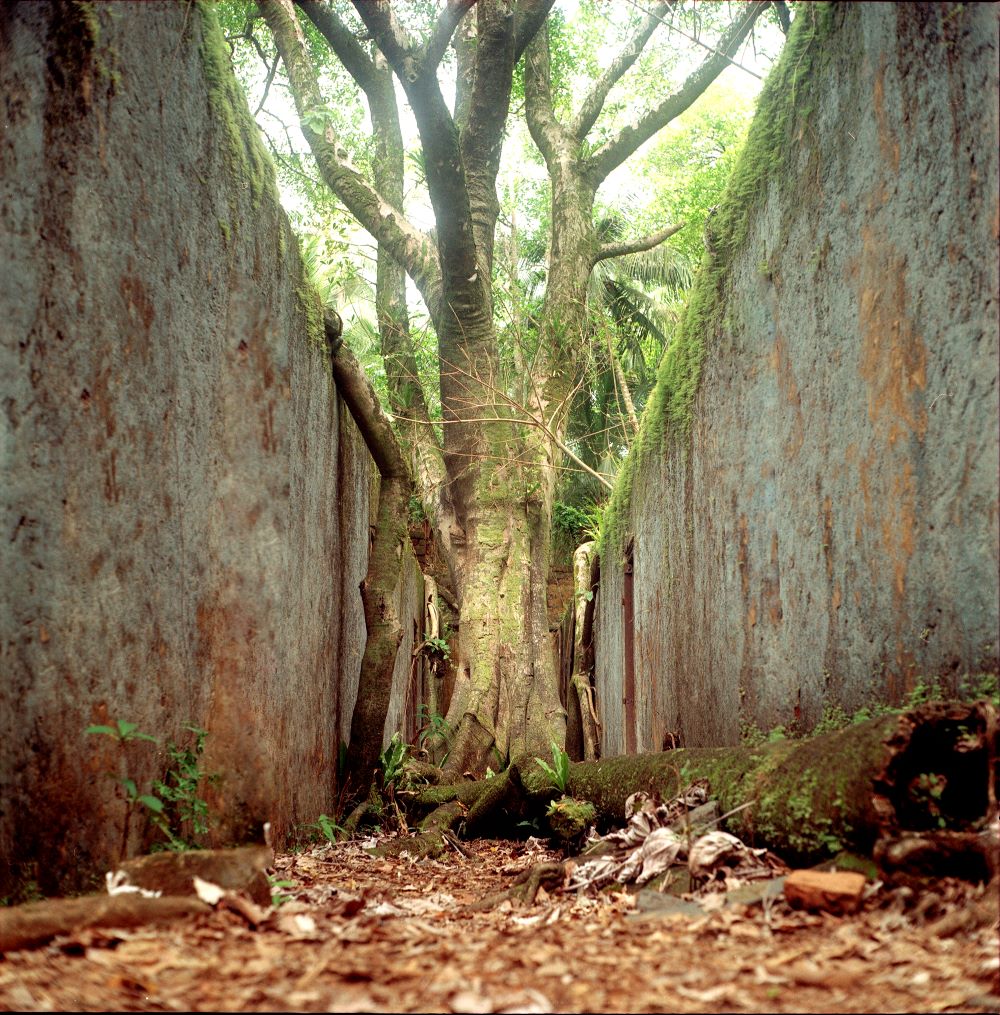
<point x="926" y="770"/>
<point x="931" y="768"/>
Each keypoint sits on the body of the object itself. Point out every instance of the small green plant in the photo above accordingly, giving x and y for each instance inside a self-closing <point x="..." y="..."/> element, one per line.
<point x="125" y="732"/>
<point x="558" y="771"/>
<point x="435" y="734"/>
<point x="437" y="647"/>
<point x="175" y="805"/>
<point x="392" y="760"/>
<point x="416" y="510"/>
<point x="833" y="718"/>
<point x="974" y="686"/>
<point x="186" y="810"/>
<point x="924" y="690"/>
<point x="279" y="898"/>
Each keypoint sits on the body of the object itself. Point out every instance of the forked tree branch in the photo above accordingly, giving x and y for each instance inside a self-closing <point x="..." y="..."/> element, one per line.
<point x="412" y="248"/>
<point x="615" y="151"/>
<point x="629" y="53"/>
<point x="608" y="250"/>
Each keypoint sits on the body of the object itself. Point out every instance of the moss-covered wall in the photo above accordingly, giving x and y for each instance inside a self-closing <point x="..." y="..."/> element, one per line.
<point x="185" y="500"/>
<point x="812" y="502"/>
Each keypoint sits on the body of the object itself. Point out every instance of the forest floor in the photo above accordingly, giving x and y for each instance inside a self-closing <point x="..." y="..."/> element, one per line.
<point x="356" y="933"/>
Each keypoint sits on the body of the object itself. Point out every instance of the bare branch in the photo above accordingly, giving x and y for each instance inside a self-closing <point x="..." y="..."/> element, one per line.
<point x="614" y="152"/>
<point x="356" y="390"/>
<point x="647" y="242"/>
<point x="413" y="249"/>
<point x="267" y="84"/>
<point x="529" y="15"/>
<point x="629" y="53"/>
<point x="528" y="418"/>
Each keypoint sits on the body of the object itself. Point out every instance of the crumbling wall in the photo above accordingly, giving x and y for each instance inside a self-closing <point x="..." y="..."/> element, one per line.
<point x="812" y="502"/>
<point x="185" y="500"/>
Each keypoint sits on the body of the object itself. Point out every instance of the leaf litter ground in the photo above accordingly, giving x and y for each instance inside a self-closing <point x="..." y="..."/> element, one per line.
<point x="364" y="934"/>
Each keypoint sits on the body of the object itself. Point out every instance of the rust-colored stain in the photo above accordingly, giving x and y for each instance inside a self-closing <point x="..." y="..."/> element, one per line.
<point x="782" y="367"/>
<point x="112" y="491"/>
<point x="770" y="590"/>
<point x="137" y="302"/>
<point x="893" y="356"/>
<point x="899" y="519"/>
<point x="887" y="141"/>
<point x="99" y="396"/>
<point x="741" y="555"/>
<point x="828" y="535"/>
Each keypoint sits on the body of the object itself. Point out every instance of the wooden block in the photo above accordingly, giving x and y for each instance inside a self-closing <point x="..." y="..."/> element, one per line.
<point x="833" y="891"/>
<point x="242" y="869"/>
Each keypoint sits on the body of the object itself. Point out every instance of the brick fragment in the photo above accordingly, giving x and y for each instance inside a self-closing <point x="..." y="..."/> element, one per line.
<point x="832" y="891"/>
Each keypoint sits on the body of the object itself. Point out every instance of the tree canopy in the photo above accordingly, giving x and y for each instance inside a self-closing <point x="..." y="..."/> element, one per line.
<point x="507" y="211"/>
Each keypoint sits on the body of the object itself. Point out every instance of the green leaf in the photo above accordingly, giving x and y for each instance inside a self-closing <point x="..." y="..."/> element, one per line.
<point x="130" y="788"/>
<point x="125" y="728"/>
<point x="102" y="729"/>
<point x="152" y="802"/>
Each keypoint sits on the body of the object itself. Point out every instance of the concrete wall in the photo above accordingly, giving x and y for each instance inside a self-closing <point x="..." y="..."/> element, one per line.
<point x="185" y="501"/>
<point x="826" y="533"/>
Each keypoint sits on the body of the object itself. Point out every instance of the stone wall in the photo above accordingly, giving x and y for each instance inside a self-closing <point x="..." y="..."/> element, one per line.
<point x="812" y="507"/>
<point x="186" y="502"/>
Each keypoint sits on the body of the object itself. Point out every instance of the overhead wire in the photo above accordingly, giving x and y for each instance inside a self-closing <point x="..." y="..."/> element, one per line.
<point x="673" y="28"/>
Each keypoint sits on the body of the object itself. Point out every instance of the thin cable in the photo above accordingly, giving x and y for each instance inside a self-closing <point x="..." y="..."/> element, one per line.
<point x="673" y="28"/>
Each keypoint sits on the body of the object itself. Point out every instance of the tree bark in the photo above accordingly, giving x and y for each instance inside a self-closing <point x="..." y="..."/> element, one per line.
<point x="381" y="587"/>
<point x="582" y="719"/>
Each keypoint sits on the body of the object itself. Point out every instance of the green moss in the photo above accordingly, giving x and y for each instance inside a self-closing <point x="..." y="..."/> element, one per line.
<point x="312" y="307"/>
<point x="767" y="155"/>
<point x="246" y="160"/>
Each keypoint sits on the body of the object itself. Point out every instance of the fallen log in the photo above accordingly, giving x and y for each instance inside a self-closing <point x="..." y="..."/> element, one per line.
<point x="932" y="768"/>
<point x="929" y="770"/>
<point x="37" y="923"/>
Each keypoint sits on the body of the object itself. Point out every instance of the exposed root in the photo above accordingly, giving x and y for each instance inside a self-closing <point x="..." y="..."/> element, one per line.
<point x="525" y="887"/>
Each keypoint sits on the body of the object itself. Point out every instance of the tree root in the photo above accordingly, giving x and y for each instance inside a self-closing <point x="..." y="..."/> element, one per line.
<point x="524" y="889"/>
<point x="433" y="835"/>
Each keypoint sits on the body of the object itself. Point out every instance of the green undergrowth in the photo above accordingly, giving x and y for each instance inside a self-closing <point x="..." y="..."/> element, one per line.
<point x="771" y="146"/>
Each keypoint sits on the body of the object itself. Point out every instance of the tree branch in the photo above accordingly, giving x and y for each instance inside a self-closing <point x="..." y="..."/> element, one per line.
<point x="445" y="173"/>
<point x="594" y="102"/>
<point x="342" y="41"/>
<point x="784" y="18"/>
<point x="413" y="249"/>
<point x="614" y="152"/>
<point x="546" y="131"/>
<point x="647" y="242"/>
<point x="357" y="391"/>
<point x="436" y="45"/>
<point x="529" y="16"/>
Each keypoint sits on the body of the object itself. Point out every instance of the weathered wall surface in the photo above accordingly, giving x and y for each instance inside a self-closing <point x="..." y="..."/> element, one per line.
<point x="819" y="525"/>
<point x="185" y="501"/>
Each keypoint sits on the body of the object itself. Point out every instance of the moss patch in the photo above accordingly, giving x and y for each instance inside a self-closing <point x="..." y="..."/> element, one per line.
<point x="246" y="160"/>
<point x="767" y="155"/>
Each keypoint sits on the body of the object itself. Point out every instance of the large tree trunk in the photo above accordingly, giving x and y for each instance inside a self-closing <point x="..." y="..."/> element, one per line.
<point x="505" y="705"/>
